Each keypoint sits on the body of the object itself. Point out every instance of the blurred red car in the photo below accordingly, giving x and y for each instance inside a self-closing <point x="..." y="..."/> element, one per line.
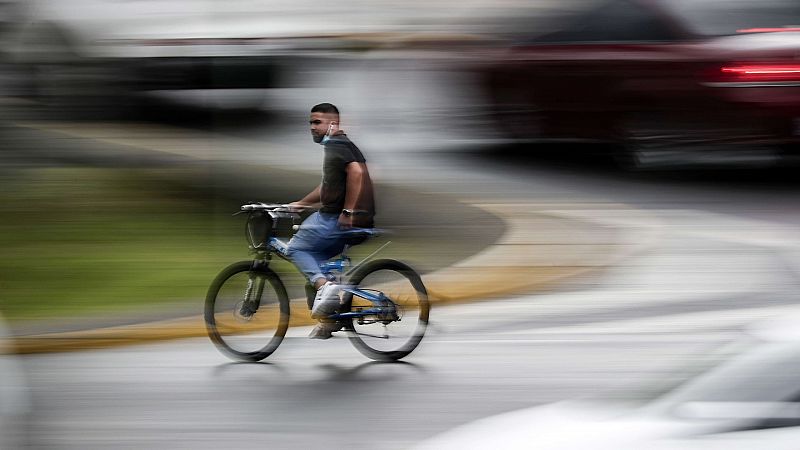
<point x="656" y="75"/>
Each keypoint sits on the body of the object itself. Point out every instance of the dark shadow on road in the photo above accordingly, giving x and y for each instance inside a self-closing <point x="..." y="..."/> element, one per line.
<point x="369" y="371"/>
<point x="230" y="367"/>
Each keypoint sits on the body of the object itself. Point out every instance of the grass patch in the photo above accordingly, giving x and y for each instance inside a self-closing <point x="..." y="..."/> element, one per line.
<point x="74" y="240"/>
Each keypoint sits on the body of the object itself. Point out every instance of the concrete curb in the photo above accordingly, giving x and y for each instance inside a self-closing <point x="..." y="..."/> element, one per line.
<point x="543" y="248"/>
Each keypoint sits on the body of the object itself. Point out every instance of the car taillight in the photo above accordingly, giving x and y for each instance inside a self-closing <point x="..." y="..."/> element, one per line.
<point x="769" y="30"/>
<point x="757" y="74"/>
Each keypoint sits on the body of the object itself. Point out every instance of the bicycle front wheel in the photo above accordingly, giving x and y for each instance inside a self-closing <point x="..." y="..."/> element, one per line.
<point x="247" y="311"/>
<point x="387" y="331"/>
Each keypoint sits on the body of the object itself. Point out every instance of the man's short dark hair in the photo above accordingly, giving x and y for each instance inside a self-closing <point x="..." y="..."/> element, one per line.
<point x="325" y="108"/>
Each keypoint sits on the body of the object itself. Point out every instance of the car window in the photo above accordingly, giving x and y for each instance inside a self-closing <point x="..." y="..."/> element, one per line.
<point x="719" y="18"/>
<point x="614" y="21"/>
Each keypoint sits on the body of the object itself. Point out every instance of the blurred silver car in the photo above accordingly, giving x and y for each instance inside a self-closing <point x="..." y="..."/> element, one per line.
<point x="83" y="48"/>
<point x="749" y="402"/>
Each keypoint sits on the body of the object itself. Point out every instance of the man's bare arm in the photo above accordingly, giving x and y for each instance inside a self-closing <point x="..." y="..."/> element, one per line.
<point x="357" y="175"/>
<point x="357" y="183"/>
<point x="314" y="197"/>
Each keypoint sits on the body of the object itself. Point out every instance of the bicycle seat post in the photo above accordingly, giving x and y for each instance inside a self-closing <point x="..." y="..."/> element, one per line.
<point x="345" y="260"/>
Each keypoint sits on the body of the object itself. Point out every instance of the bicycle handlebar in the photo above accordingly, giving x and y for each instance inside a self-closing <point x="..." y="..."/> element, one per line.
<point x="278" y="207"/>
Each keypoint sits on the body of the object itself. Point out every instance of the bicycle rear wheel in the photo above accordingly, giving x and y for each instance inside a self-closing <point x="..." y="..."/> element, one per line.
<point x="247" y="311"/>
<point x="395" y="330"/>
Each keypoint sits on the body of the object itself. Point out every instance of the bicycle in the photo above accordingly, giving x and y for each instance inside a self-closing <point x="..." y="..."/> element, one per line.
<point x="384" y="304"/>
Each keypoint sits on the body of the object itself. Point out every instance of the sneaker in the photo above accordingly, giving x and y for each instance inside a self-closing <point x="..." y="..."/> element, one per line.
<point x="323" y="330"/>
<point x="326" y="301"/>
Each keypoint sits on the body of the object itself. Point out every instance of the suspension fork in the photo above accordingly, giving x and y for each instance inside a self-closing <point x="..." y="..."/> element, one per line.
<point x="255" y="283"/>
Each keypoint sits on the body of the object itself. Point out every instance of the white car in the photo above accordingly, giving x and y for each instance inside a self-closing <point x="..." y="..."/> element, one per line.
<point x="749" y="402"/>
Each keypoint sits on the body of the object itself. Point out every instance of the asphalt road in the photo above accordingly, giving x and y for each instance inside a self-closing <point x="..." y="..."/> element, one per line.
<point x="311" y="393"/>
<point x="723" y="251"/>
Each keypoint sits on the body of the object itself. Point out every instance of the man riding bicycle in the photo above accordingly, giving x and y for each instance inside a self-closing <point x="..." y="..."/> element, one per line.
<point x="346" y="201"/>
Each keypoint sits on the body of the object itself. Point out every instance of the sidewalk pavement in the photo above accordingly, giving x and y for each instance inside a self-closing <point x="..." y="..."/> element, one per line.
<point x="544" y="246"/>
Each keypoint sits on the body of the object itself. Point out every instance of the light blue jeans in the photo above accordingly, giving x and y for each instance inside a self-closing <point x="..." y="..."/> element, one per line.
<point x="318" y="240"/>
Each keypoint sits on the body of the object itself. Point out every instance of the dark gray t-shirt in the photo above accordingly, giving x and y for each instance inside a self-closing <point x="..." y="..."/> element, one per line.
<point x="339" y="152"/>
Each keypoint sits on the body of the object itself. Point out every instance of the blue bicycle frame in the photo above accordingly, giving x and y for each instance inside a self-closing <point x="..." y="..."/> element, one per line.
<point x="382" y="306"/>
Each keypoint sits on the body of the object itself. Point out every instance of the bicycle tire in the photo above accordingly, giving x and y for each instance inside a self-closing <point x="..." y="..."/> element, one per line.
<point x="241" y="333"/>
<point x="404" y="287"/>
